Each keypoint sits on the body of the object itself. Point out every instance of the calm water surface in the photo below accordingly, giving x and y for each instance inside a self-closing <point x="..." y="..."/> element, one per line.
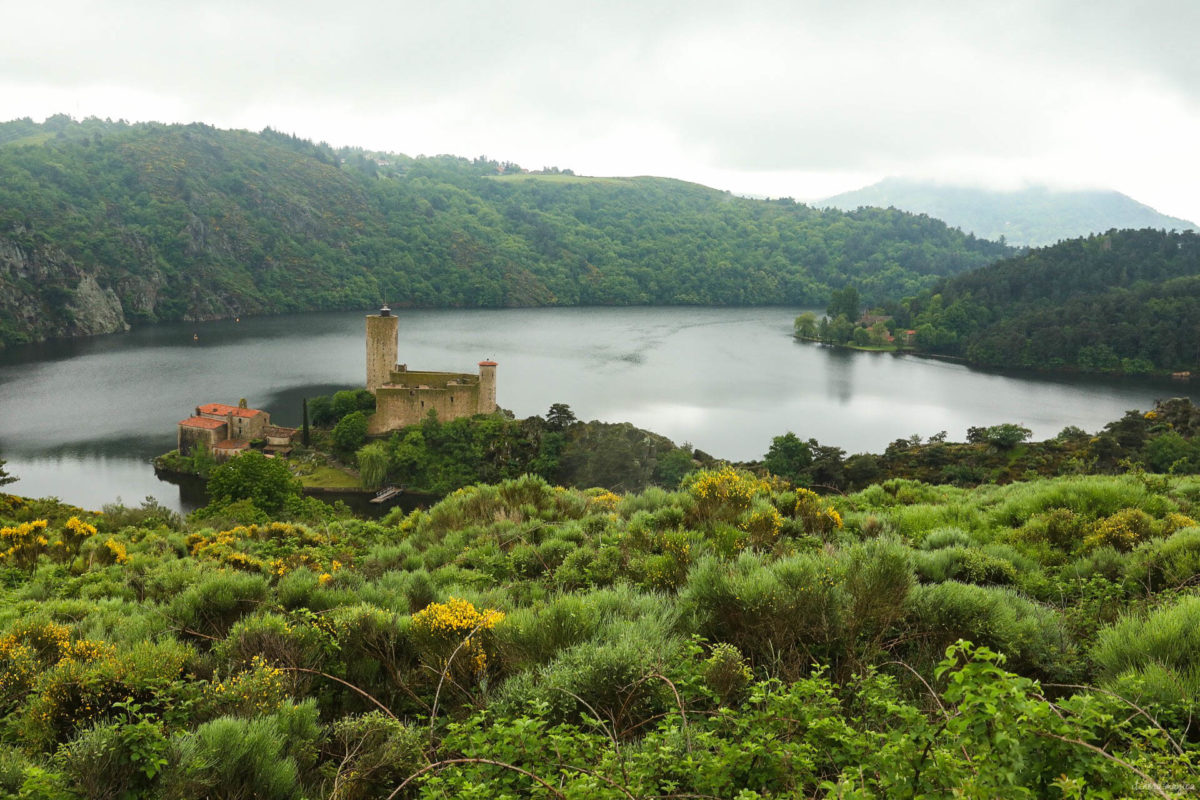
<point x="81" y="420"/>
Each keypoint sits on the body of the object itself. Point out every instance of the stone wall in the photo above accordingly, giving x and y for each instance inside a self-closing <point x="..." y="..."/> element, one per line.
<point x="248" y="427"/>
<point x="189" y="437"/>
<point x="397" y="406"/>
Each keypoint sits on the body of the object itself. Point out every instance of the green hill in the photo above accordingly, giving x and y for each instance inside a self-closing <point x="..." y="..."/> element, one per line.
<point x="1033" y="216"/>
<point x="1126" y="301"/>
<point x="104" y="225"/>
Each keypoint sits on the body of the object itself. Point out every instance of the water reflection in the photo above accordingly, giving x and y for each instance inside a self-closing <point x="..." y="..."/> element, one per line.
<point x="839" y="372"/>
<point x="83" y="419"/>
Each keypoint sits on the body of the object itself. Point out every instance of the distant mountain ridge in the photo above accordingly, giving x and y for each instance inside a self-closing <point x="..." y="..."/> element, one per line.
<point x="104" y="225"/>
<point x="1033" y="216"/>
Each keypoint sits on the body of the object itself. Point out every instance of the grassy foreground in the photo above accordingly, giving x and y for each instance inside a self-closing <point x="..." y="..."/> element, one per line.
<point x="734" y="638"/>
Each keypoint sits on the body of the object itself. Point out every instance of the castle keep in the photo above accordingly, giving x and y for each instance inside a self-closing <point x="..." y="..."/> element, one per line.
<point x="405" y="397"/>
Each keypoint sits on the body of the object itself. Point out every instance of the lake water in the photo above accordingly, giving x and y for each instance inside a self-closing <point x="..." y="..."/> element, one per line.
<point x="82" y="419"/>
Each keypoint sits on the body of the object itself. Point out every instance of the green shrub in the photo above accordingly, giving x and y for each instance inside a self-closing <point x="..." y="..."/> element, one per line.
<point x="301" y="588"/>
<point x="611" y="678"/>
<point x="877" y="579"/>
<point x="789" y="611"/>
<point x="946" y="537"/>
<point x="299" y="727"/>
<point x="211" y="606"/>
<point x="1060" y="528"/>
<point x="726" y="672"/>
<point x="374" y="753"/>
<point x="967" y="564"/>
<point x="526" y="561"/>
<point x="1091" y="497"/>
<point x="1104" y="562"/>
<point x="1173" y="694"/>
<point x="939" y="565"/>
<point x="1173" y="562"/>
<point x="234" y="759"/>
<point x="533" y="636"/>
<point x="983" y="568"/>
<point x="1169" y="636"/>
<point x="553" y="552"/>
<point x="151" y="514"/>
<point x="1032" y="636"/>
<point x="12" y="771"/>
<point x="113" y="760"/>
<point x="383" y="558"/>
<point x="377" y="649"/>
<point x="277" y="639"/>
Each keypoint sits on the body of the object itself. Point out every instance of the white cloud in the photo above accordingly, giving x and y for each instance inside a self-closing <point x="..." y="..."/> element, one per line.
<point x="762" y="97"/>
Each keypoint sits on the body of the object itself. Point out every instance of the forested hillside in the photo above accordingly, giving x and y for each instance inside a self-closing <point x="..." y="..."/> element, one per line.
<point x="103" y="225"/>
<point x="1125" y="301"/>
<point x="1034" y="216"/>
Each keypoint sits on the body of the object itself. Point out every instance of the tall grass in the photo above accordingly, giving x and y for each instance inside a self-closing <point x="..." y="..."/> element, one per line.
<point x="1033" y="637"/>
<point x="1169" y="563"/>
<point x="1092" y="496"/>
<point x="1169" y="636"/>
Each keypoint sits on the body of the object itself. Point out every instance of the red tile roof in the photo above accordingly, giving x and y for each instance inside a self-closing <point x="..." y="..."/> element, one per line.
<point x="231" y="444"/>
<point x="222" y="409"/>
<point x="202" y="422"/>
<point x="487" y="363"/>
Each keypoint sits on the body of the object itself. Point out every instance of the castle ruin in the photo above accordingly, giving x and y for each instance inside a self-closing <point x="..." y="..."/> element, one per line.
<point x="404" y="397"/>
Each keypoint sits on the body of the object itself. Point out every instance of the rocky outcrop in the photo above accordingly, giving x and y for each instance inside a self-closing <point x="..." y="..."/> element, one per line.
<point x="44" y="294"/>
<point x="96" y="309"/>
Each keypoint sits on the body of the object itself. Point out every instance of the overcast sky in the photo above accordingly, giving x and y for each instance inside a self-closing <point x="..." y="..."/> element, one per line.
<point x="802" y="98"/>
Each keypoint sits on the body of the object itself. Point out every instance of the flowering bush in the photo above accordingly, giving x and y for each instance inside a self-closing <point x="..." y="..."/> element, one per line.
<point x="23" y="544"/>
<point x="818" y="517"/>
<point x="724" y="492"/>
<point x="258" y="689"/>
<point x="72" y="537"/>
<point x="441" y="628"/>
<point x="1123" y="530"/>
<point x="764" y="524"/>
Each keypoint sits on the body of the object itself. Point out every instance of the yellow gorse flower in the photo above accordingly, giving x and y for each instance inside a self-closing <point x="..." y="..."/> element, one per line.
<point x="117" y="549"/>
<point x="605" y="501"/>
<point x="817" y="517"/>
<point x="21" y="545"/>
<point x="457" y="621"/>
<point x="726" y="488"/>
<point x="455" y="616"/>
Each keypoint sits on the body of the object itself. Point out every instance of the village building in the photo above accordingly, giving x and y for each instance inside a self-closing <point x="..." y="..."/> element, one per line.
<point x="868" y="319"/>
<point x="405" y="397"/>
<point x="227" y="430"/>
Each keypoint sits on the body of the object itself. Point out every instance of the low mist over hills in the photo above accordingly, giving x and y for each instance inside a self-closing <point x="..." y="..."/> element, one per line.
<point x="1034" y="216"/>
<point x="103" y="225"/>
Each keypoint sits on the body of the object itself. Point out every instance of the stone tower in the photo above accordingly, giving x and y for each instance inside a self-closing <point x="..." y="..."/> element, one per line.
<point x="382" y="347"/>
<point x="487" y="387"/>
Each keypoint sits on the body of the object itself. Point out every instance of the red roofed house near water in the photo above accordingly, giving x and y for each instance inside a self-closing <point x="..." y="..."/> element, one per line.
<point x="227" y="430"/>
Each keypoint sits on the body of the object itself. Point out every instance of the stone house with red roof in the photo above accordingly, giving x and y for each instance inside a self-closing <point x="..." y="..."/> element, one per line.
<point x="227" y="430"/>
